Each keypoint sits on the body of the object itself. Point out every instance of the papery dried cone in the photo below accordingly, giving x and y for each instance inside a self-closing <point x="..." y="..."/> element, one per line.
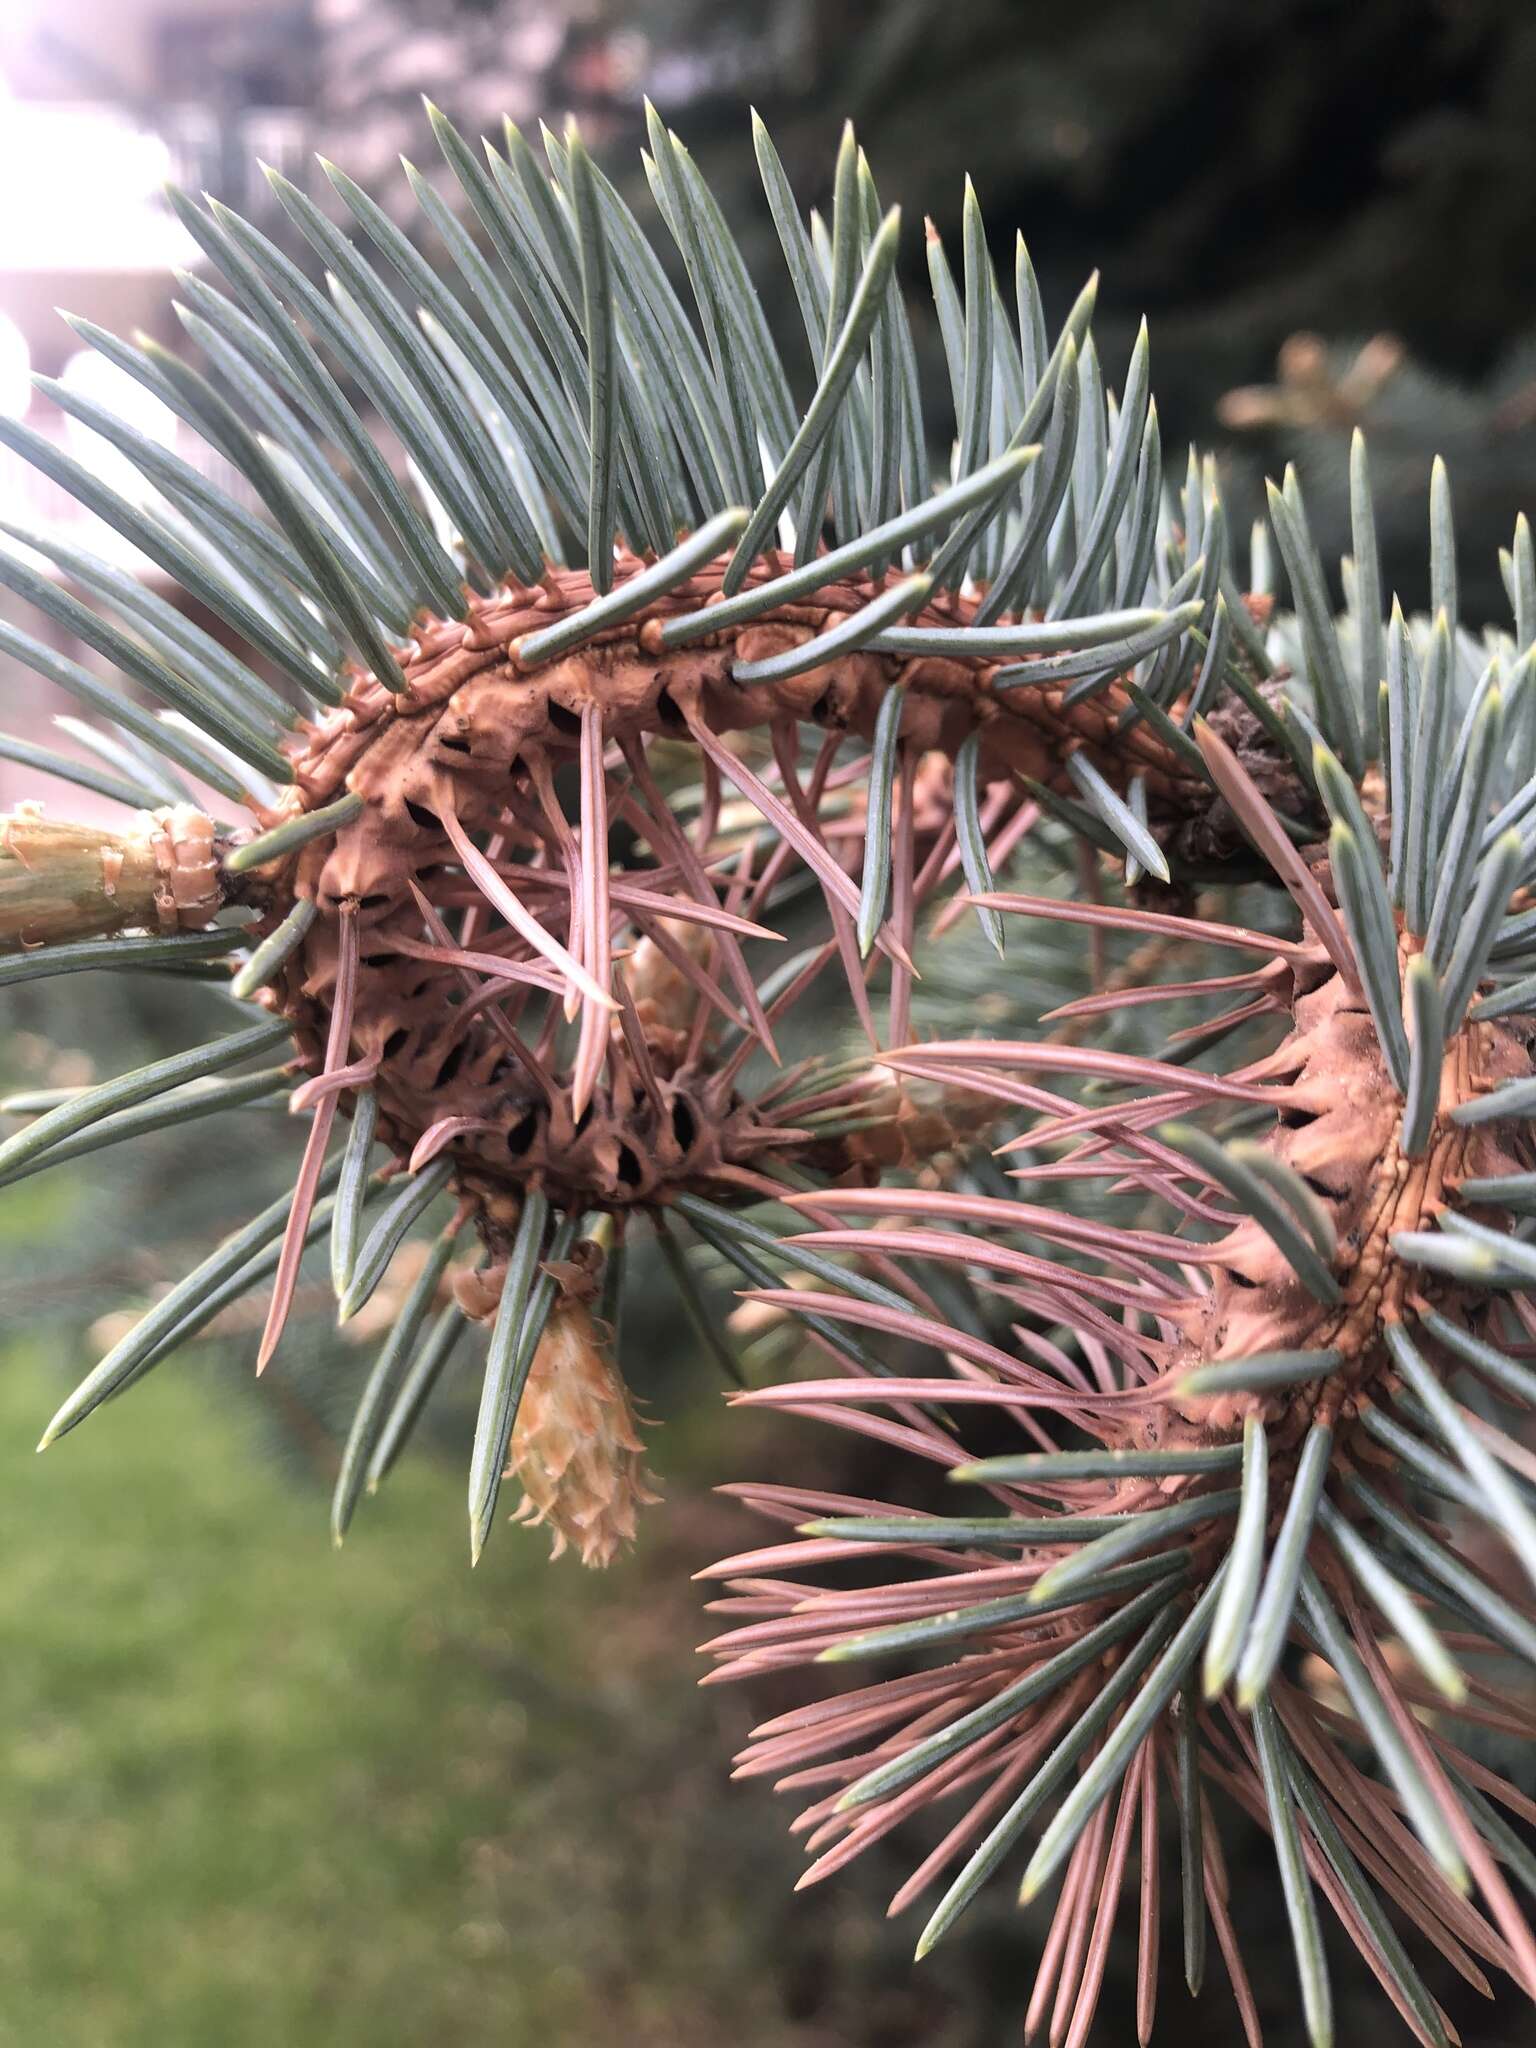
<point x="576" y="1450"/>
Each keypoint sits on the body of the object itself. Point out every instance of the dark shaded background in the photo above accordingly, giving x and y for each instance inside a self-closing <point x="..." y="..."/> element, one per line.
<point x="529" y="1837"/>
<point x="1241" y="174"/>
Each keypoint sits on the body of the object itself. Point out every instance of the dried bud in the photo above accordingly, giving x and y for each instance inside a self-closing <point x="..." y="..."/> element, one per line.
<point x="477" y="1289"/>
<point x="666" y="1001"/>
<point x="577" y="1448"/>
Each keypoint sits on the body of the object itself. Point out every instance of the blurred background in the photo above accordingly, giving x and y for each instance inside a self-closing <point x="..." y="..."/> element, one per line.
<point x="252" y="1791"/>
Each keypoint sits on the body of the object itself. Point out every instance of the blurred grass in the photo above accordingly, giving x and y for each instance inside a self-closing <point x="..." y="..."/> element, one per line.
<point x="249" y="1790"/>
<point x="256" y="1791"/>
<point x="253" y="1790"/>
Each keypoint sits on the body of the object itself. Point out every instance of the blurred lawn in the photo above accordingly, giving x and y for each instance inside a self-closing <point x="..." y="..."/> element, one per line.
<point x="256" y="1791"/>
<point x="252" y="1792"/>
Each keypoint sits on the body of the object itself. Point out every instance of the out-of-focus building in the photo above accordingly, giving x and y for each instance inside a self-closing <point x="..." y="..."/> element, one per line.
<point x="102" y="102"/>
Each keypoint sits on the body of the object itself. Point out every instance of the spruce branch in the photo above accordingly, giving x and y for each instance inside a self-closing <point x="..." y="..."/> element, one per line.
<point x="529" y="758"/>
